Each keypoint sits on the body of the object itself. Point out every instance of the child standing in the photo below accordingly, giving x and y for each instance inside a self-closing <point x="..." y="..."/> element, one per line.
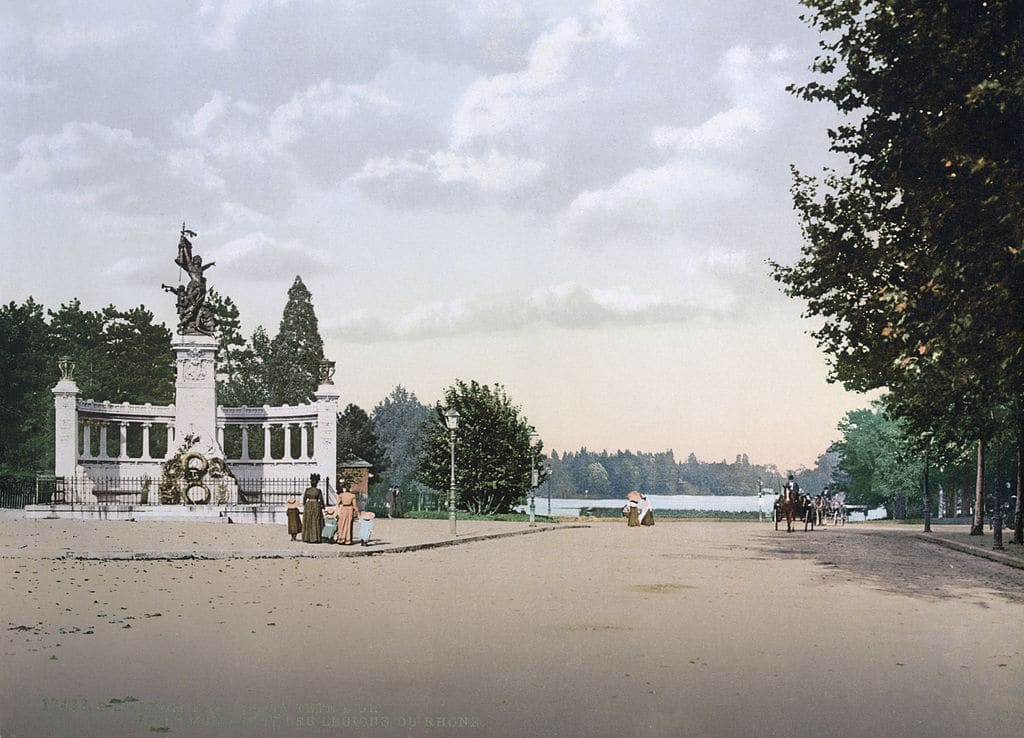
<point x="365" y="527"/>
<point x="294" y="519"/>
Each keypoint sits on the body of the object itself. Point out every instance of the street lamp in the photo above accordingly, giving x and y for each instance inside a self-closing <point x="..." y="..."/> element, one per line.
<point x="451" y="419"/>
<point x="533" y="481"/>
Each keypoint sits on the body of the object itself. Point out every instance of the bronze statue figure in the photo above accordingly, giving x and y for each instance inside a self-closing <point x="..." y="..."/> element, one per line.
<point x="194" y="316"/>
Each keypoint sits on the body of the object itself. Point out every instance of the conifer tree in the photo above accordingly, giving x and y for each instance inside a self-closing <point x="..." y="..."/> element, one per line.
<point x="296" y="351"/>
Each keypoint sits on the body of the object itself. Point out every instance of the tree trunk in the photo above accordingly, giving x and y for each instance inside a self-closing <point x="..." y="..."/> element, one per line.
<point x="927" y="500"/>
<point x="1018" y="512"/>
<point x="978" y="526"/>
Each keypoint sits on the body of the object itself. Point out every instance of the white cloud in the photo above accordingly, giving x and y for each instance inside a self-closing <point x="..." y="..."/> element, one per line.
<point x="220" y="21"/>
<point x="325" y="103"/>
<point x="70" y="38"/>
<point x="529" y="97"/>
<point x="722" y="131"/>
<point x="650" y="194"/>
<point x="23" y="86"/>
<point x="492" y="172"/>
<point x="259" y="256"/>
<point x="567" y="305"/>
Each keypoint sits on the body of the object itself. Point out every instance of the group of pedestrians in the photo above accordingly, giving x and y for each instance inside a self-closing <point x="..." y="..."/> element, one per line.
<point x="320" y="523"/>
<point x="638" y="510"/>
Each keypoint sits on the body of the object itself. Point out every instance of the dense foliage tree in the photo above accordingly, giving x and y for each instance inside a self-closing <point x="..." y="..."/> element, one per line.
<point x="234" y="355"/>
<point x="121" y="356"/>
<point x="293" y="370"/>
<point x="914" y="256"/>
<point x="398" y="420"/>
<point x="357" y="437"/>
<point x="494" y="455"/>
<point x="29" y="371"/>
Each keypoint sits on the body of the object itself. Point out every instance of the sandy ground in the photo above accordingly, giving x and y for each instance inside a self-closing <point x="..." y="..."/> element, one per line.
<point x="681" y="629"/>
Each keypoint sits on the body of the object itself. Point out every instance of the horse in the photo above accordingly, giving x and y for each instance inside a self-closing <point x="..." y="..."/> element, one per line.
<point x="785" y="507"/>
<point x="806" y="511"/>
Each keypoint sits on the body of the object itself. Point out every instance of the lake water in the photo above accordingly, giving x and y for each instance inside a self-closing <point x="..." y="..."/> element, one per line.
<point x="724" y="503"/>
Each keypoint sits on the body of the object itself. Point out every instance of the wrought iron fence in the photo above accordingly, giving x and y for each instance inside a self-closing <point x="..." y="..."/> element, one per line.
<point x="18" y="491"/>
<point x="272" y="491"/>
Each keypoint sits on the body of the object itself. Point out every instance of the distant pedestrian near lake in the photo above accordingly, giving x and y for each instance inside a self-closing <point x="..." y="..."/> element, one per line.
<point x="645" y="512"/>
<point x="632" y="509"/>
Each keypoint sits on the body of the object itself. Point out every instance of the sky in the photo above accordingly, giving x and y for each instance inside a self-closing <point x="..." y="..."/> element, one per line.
<point x="576" y="200"/>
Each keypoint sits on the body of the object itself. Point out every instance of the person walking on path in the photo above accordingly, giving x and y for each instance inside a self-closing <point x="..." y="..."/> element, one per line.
<point x="645" y="512"/>
<point x="347" y="508"/>
<point x="294" y="517"/>
<point x="312" y="511"/>
<point x="632" y="516"/>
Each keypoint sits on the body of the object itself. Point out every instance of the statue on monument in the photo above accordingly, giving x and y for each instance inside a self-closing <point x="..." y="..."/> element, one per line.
<point x="194" y="316"/>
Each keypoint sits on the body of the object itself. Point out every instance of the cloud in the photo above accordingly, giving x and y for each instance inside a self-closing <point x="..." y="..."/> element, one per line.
<point x="648" y="203"/>
<point x="220" y="21"/>
<point x="99" y="169"/>
<point x="528" y="97"/>
<point x="23" y="86"/>
<point x="490" y="172"/>
<point x="69" y="38"/>
<point x="567" y="306"/>
<point x="258" y="256"/>
<point x="722" y="131"/>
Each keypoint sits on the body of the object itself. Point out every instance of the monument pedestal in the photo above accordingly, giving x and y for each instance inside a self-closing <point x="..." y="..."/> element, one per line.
<point x="195" y="392"/>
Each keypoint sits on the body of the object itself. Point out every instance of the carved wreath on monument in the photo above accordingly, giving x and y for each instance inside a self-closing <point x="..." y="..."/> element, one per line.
<point x="187" y="477"/>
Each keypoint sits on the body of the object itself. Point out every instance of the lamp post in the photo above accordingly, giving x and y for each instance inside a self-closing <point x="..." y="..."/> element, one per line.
<point x="451" y="419"/>
<point x="532" y="494"/>
<point x="760" y="500"/>
<point x="547" y="474"/>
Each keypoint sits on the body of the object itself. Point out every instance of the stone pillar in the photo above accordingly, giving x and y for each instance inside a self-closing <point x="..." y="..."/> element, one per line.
<point x="65" y="404"/>
<point x="245" y="442"/>
<point x="325" y="438"/>
<point x="195" y="393"/>
<point x="87" y="440"/>
<point x="304" y="452"/>
<point x="287" y="442"/>
<point x="169" y="451"/>
<point x="122" y="445"/>
<point x="103" y="440"/>
<point x="145" y="441"/>
<point x="266" y="442"/>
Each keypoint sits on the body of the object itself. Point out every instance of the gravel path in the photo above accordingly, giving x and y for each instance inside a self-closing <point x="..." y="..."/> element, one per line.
<point x="681" y="629"/>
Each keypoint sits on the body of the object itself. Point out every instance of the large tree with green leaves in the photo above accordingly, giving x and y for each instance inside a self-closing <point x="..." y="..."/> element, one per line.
<point x="234" y="355"/>
<point x="495" y="456"/>
<point x="29" y="371"/>
<point x="357" y="437"/>
<point x="914" y="255"/>
<point x="398" y="420"/>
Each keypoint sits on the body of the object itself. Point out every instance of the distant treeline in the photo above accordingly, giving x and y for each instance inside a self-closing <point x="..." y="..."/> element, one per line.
<point x="594" y="474"/>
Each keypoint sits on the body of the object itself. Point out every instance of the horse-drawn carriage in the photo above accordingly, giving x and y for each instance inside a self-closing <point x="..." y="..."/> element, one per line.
<point x="793" y="507"/>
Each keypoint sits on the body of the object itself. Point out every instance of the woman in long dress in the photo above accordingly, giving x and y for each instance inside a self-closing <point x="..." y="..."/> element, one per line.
<point x="312" y="511"/>
<point x="632" y="516"/>
<point x="348" y="507"/>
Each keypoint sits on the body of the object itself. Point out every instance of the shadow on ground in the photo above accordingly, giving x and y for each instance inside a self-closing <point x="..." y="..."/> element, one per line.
<point x="895" y="561"/>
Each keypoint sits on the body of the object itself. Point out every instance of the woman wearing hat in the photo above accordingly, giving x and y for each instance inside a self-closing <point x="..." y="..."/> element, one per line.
<point x="291" y="507"/>
<point x="348" y="507"/>
<point x="312" y="511"/>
